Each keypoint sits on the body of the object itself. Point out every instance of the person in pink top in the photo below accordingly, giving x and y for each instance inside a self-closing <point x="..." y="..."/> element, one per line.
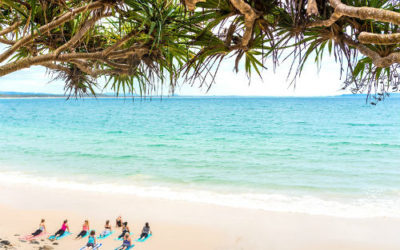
<point x="85" y="230"/>
<point x="62" y="230"/>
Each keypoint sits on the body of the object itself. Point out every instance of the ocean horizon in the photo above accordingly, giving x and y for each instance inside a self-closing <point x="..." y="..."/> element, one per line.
<point x="330" y="156"/>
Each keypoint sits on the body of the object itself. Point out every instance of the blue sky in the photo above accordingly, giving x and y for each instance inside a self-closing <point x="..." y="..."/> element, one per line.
<point x="326" y="82"/>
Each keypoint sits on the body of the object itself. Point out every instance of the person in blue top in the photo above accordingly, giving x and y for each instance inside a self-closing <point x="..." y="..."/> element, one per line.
<point x="92" y="240"/>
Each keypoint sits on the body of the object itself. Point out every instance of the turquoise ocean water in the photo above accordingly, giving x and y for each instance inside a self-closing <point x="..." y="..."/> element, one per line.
<point x="334" y="156"/>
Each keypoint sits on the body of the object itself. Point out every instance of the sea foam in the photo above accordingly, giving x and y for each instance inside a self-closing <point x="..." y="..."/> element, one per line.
<point x="307" y="204"/>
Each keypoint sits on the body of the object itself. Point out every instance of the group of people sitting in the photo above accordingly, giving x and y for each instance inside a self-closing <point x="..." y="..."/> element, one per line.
<point x="125" y="236"/>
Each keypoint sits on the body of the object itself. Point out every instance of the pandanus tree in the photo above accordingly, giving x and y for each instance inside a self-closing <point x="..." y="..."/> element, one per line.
<point x="131" y="43"/>
<point x="136" y="43"/>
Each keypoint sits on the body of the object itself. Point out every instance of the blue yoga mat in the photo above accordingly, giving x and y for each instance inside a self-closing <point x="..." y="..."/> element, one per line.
<point x="97" y="246"/>
<point x="105" y="236"/>
<point x="60" y="237"/>
<point x="122" y="237"/>
<point x="144" y="239"/>
<point x="126" y="249"/>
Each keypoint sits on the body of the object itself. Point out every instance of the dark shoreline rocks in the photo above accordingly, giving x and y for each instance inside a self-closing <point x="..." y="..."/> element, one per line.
<point x="34" y="242"/>
<point x="46" y="247"/>
<point x="5" y="244"/>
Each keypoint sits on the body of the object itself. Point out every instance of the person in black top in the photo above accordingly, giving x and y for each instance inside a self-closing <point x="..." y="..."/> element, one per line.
<point x="118" y="221"/>
<point x="125" y="229"/>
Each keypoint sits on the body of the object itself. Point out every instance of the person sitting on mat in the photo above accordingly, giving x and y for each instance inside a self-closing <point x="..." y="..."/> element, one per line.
<point x="145" y="231"/>
<point x="42" y="228"/>
<point x="91" y="240"/>
<point x="125" y="229"/>
<point x="85" y="230"/>
<point x="62" y="230"/>
<point x="118" y="221"/>
<point x="127" y="243"/>
<point x="107" y="229"/>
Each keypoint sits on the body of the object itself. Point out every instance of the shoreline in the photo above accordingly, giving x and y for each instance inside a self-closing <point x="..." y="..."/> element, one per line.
<point x="310" y="204"/>
<point x="186" y="225"/>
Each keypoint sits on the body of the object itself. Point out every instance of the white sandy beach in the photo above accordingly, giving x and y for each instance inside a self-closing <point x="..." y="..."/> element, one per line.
<point x="182" y="225"/>
<point x="221" y="124"/>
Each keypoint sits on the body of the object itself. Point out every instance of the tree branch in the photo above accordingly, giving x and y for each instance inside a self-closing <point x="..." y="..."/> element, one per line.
<point x="125" y="53"/>
<point x="56" y="67"/>
<point x="325" y="23"/>
<point x="191" y="4"/>
<point x="5" y="41"/>
<point x="82" y="31"/>
<point x="83" y="65"/>
<point x="9" y="29"/>
<point x="116" y="65"/>
<point x="365" y="13"/>
<point x="64" y="18"/>
<point x="244" y="8"/>
<point x="37" y="60"/>
<point x="312" y="8"/>
<point x="381" y="39"/>
<point x="362" y="13"/>
<point x="249" y="18"/>
<point x="377" y="59"/>
<point x="119" y="43"/>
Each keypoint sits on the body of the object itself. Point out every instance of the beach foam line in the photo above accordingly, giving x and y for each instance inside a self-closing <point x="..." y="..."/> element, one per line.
<point x="307" y="204"/>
